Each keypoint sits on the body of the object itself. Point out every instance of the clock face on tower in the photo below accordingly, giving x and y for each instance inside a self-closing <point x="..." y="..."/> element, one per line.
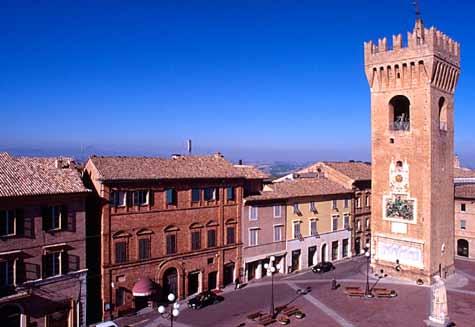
<point x="399" y="177"/>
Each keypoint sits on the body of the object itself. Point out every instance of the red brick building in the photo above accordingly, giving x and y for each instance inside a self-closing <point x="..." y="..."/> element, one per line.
<point x="167" y="225"/>
<point x="42" y="243"/>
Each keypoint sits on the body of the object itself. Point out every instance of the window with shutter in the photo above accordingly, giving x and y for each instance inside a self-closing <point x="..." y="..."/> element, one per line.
<point x="120" y="252"/>
<point x="196" y="240"/>
<point x="171" y="244"/>
<point x="7" y="222"/>
<point x="230" y="235"/>
<point x="171" y="196"/>
<point x="54" y="217"/>
<point x="140" y="198"/>
<point x="144" y="248"/>
<point x="51" y="264"/>
<point x="230" y="193"/>
<point x="211" y="238"/>
<point x="6" y="273"/>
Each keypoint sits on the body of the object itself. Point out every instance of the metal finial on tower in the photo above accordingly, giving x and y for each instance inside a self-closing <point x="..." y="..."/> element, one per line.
<point x="417" y="9"/>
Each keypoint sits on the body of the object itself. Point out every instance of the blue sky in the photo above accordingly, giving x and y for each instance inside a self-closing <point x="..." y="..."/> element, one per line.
<point x="258" y="80"/>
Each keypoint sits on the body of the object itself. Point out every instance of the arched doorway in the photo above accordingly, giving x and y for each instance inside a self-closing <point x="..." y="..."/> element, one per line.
<point x="170" y="283"/>
<point x="462" y="248"/>
<point x="11" y="316"/>
<point x="324" y="253"/>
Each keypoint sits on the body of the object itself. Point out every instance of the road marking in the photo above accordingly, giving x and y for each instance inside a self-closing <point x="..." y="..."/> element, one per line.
<point x="330" y="312"/>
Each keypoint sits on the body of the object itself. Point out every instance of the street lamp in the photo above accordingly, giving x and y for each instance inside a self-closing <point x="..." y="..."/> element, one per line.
<point x="367" y="254"/>
<point x="174" y="309"/>
<point x="270" y="266"/>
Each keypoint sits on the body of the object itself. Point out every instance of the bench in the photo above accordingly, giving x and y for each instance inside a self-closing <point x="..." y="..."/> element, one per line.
<point x="290" y="311"/>
<point x="265" y="320"/>
<point x="384" y="292"/>
<point x="354" y="291"/>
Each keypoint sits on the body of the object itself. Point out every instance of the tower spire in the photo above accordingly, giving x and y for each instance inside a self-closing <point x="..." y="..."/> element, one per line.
<point x="419" y="26"/>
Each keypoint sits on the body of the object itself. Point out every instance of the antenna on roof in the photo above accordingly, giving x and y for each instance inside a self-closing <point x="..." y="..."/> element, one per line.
<point x="189" y="146"/>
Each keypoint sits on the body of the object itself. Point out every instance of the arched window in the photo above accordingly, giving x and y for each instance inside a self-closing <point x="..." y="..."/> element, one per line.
<point x="399" y="113"/>
<point x="442" y="114"/>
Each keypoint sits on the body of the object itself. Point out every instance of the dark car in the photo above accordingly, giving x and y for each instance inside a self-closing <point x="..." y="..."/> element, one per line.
<point x="323" y="267"/>
<point x="204" y="299"/>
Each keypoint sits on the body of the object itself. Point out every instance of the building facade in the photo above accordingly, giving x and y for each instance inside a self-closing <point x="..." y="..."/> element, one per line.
<point x="412" y="103"/>
<point x="465" y="220"/>
<point x="167" y="226"/>
<point x="318" y="216"/>
<point x="264" y="235"/>
<point x="42" y="243"/>
<point x="354" y="175"/>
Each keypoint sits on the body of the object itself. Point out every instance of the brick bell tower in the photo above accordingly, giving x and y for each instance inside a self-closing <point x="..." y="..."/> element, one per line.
<point x="412" y="108"/>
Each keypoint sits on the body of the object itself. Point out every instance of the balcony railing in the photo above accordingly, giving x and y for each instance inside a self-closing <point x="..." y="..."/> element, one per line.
<point x="399" y="125"/>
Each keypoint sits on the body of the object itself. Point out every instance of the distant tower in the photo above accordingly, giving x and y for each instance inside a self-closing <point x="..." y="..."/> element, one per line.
<point x="412" y="107"/>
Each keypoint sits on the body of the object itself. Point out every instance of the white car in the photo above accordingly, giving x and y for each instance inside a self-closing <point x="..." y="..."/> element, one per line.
<point x="107" y="324"/>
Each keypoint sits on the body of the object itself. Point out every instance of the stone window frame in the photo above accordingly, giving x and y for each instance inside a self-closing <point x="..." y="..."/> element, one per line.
<point x="295" y="223"/>
<point x="251" y="230"/>
<point x="196" y="228"/>
<point x="144" y="234"/>
<point x="231" y="223"/>
<point x="274" y="209"/>
<point x="280" y="226"/>
<point x="335" y="218"/>
<point x="7" y="213"/>
<point x="121" y="236"/>
<point x="171" y="230"/>
<point x="310" y="221"/>
<point x="253" y="209"/>
<point x="212" y="226"/>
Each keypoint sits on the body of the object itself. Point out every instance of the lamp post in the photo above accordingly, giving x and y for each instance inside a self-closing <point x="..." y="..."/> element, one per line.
<point x="270" y="266"/>
<point x="174" y="311"/>
<point x="367" y="254"/>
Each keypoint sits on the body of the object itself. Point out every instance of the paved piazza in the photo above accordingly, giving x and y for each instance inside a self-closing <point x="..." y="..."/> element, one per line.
<point x="326" y="307"/>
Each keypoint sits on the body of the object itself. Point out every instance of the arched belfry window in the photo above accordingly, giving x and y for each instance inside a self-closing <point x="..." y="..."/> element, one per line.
<point x="399" y="113"/>
<point x="442" y="114"/>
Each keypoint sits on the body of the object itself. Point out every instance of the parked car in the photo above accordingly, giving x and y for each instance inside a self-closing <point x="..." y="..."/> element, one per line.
<point x="107" y="324"/>
<point x="323" y="267"/>
<point x="204" y="299"/>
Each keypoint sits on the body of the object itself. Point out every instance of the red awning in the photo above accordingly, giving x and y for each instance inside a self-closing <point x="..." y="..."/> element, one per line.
<point x="143" y="287"/>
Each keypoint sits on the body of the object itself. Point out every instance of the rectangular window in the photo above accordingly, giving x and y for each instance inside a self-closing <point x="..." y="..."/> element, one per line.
<point x="334" y="250"/>
<point x="196" y="240"/>
<point x="230" y="235"/>
<point x="313" y="227"/>
<point x="358" y="202"/>
<point x="346" y="221"/>
<point x="7" y="222"/>
<point x="118" y="198"/>
<point x="7" y="273"/>
<point x="144" y="248"/>
<point x="277" y="211"/>
<point x="358" y="225"/>
<point x="463" y="207"/>
<point x="463" y="224"/>
<point x="278" y="231"/>
<point x="345" y="248"/>
<point x="296" y="209"/>
<point x="368" y="200"/>
<point x="296" y="226"/>
<point x="171" y="244"/>
<point x="253" y="237"/>
<point x="140" y="198"/>
<point x="119" y="296"/>
<point x="367" y="224"/>
<point x="51" y="264"/>
<point x="334" y="204"/>
<point x="171" y="196"/>
<point x="335" y="223"/>
<point x="230" y="193"/>
<point x="347" y="203"/>
<point x="211" y="238"/>
<point x="211" y="194"/>
<point x="54" y="218"/>
<point x="253" y="213"/>
<point x="120" y="252"/>
<point x="313" y="207"/>
<point x="195" y="195"/>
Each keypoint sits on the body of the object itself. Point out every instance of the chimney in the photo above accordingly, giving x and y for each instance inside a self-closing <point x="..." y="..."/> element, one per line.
<point x="189" y="146"/>
<point x="240" y="162"/>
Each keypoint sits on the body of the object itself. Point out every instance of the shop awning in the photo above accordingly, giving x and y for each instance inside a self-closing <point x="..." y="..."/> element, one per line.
<point x="143" y="287"/>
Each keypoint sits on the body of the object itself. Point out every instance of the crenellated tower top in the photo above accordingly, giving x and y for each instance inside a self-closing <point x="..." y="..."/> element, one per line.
<point x="421" y="41"/>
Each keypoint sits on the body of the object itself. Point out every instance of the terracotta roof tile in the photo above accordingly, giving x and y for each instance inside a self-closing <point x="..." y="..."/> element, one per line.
<point x="357" y="171"/>
<point x="300" y="188"/>
<point x="21" y="176"/>
<point x="464" y="173"/>
<point x="251" y="172"/>
<point x="146" y="168"/>
<point x="465" y="191"/>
